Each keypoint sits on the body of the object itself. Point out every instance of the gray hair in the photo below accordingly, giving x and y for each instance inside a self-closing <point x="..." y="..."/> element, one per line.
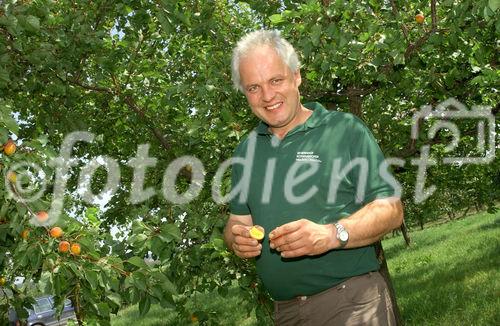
<point x="254" y="39"/>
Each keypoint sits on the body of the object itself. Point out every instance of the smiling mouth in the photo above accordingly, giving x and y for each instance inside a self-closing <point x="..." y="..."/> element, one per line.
<point x="273" y="107"/>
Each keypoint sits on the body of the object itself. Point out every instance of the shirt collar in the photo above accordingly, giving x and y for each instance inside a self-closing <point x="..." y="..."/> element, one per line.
<point x="316" y="119"/>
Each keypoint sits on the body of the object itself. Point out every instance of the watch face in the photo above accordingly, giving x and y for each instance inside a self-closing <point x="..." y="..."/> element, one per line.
<point x="343" y="236"/>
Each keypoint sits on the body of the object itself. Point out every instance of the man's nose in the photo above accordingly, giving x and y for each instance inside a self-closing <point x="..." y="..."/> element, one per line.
<point x="268" y="93"/>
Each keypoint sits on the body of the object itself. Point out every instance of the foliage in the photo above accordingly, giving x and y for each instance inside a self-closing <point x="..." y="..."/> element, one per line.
<point x="156" y="72"/>
<point x="229" y="312"/>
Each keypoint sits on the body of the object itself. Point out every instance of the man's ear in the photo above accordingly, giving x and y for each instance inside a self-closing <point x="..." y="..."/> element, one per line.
<point x="297" y="77"/>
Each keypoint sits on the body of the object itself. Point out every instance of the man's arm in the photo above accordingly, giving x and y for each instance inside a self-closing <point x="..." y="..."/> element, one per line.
<point x="366" y="226"/>
<point x="238" y="239"/>
<point x="372" y="222"/>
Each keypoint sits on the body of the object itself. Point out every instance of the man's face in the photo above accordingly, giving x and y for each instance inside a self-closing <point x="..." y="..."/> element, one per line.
<point x="271" y="88"/>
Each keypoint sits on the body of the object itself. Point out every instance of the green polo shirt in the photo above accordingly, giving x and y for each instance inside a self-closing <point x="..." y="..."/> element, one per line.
<point x="324" y="169"/>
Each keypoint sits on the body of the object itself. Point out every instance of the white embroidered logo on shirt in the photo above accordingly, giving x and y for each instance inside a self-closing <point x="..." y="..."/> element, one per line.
<point x="307" y="157"/>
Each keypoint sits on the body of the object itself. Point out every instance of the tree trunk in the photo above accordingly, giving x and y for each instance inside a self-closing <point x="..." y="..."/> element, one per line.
<point x="355" y="102"/>
<point x="384" y="271"/>
<point x="406" y="234"/>
<point x="75" y="301"/>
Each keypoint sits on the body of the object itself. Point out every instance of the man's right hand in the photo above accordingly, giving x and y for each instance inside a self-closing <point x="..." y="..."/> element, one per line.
<point x="243" y="245"/>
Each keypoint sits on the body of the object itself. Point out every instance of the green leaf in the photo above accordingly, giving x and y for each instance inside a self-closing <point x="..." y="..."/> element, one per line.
<point x="165" y="22"/>
<point x="139" y="280"/>
<point x="494" y="4"/>
<point x="488" y="13"/>
<point x="137" y="261"/>
<point x="129" y="281"/>
<point x="276" y="19"/>
<point x="91" y="215"/>
<point x="134" y="295"/>
<point x="165" y="283"/>
<point x="4" y="136"/>
<point x="170" y="232"/>
<point x="156" y="246"/>
<point x="158" y="293"/>
<point x="92" y="278"/>
<point x="59" y="284"/>
<point x="183" y="18"/>
<point x="31" y="24"/>
<point x="226" y="115"/>
<point x="169" y="287"/>
<point x="4" y="77"/>
<point x="315" y="34"/>
<point x="35" y="258"/>
<point x="74" y="268"/>
<point x="9" y="21"/>
<point x="34" y="22"/>
<point x="6" y="204"/>
<point x="4" y="230"/>
<point x="138" y="227"/>
<point x="114" y="284"/>
<point x="137" y="240"/>
<point x="9" y="122"/>
<point x="103" y="309"/>
<point x="115" y="298"/>
<point x="218" y="244"/>
<point x="144" y="305"/>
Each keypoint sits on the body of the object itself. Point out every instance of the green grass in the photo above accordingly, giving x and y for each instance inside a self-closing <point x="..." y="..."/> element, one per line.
<point x="155" y="317"/>
<point x="228" y="310"/>
<point x="450" y="275"/>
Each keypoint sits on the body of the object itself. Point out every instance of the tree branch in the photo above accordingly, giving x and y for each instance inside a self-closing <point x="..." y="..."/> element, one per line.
<point x="127" y="100"/>
<point x="101" y="12"/>
<point x="412" y="47"/>
<point x="349" y="92"/>
<point x="88" y="87"/>
<point x="433" y="15"/>
<point x="130" y="62"/>
<point x="158" y="134"/>
<point x="396" y="13"/>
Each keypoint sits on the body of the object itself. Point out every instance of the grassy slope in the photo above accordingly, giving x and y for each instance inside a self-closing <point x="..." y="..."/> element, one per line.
<point x="449" y="276"/>
<point x="451" y="273"/>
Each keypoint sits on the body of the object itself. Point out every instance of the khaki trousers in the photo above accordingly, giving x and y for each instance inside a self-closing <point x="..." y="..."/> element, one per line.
<point x="360" y="300"/>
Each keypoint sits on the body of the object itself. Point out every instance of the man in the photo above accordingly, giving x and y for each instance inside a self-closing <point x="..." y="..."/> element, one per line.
<point x="316" y="182"/>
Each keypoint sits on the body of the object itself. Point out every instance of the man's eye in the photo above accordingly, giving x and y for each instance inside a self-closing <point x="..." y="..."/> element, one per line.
<point x="276" y="81"/>
<point x="252" y="89"/>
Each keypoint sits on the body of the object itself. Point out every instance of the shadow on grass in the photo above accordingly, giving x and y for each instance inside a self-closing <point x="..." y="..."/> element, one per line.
<point x="437" y="291"/>
<point x="490" y="226"/>
<point x="394" y="251"/>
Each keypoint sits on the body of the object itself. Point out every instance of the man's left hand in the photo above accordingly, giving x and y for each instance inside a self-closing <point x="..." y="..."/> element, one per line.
<point x="302" y="238"/>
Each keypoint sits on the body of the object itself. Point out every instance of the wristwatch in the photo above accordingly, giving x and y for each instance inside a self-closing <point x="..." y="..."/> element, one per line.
<point x="342" y="234"/>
